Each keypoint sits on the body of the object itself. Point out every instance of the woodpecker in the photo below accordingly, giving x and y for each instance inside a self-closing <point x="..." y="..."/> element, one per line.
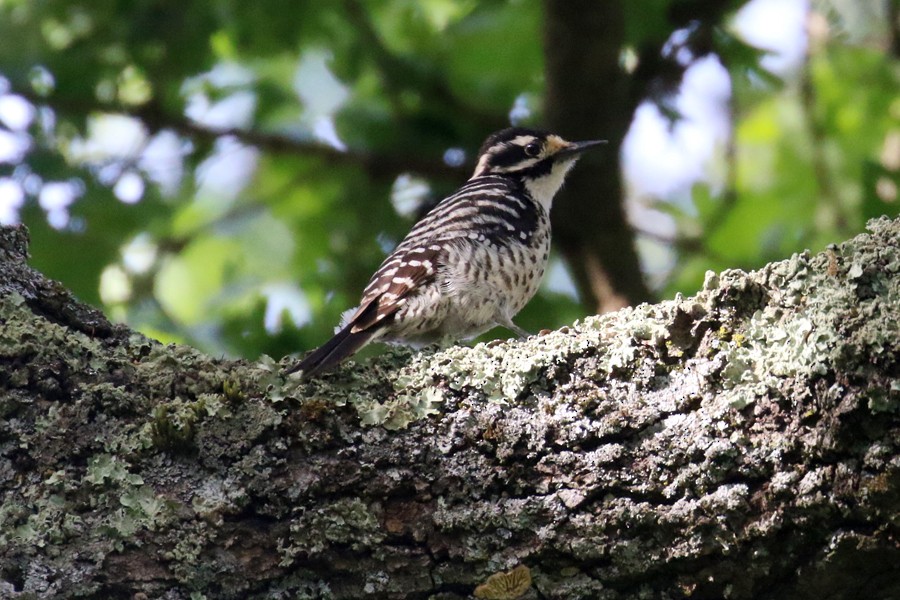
<point x="473" y="261"/>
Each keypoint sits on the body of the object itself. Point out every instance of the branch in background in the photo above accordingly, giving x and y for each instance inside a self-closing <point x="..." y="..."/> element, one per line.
<point x="588" y="98"/>
<point x="378" y="167"/>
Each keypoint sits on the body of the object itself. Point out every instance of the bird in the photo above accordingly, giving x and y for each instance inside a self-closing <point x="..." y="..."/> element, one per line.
<point x="472" y="262"/>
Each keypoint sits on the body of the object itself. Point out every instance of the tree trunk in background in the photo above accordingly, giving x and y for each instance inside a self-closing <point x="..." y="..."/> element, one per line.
<point x="587" y="97"/>
<point x="742" y="444"/>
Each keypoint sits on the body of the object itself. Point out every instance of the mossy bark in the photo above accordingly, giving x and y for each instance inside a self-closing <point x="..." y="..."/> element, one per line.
<point x="742" y="443"/>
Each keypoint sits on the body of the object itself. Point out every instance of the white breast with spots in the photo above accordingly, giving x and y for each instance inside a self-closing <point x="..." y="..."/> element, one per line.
<point x="486" y="284"/>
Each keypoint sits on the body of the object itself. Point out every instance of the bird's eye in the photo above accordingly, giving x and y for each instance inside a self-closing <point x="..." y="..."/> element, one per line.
<point x="533" y="149"/>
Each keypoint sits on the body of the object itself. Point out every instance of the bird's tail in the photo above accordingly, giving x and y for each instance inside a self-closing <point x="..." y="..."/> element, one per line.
<point x="344" y="343"/>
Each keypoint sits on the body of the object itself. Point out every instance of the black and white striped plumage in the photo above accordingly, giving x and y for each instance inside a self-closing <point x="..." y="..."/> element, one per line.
<point x="473" y="261"/>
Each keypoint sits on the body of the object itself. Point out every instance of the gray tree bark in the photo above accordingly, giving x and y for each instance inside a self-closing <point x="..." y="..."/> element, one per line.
<point x="742" y="443"/>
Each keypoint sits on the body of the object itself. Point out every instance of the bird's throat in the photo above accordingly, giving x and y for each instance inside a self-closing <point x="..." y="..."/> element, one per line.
<point x="544" y="187"/>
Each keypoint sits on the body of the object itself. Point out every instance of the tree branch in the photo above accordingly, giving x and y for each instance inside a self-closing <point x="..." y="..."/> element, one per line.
<point x="377" y="166"/>
<point x="742" y="443"/>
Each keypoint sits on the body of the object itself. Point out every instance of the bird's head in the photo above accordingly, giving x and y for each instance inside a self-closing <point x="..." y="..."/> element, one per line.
<point x="539" y="158"/>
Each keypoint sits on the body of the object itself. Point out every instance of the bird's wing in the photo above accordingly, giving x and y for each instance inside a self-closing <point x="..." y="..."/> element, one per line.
<point x="401" y="274"/>
<point x="404" y="272"/>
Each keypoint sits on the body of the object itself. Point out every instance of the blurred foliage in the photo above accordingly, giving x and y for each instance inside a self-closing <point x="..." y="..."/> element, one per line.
<point x="813" y="161"/>
<point x="229" y="210"/>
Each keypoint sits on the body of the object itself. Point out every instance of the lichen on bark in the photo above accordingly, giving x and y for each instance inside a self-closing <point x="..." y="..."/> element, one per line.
<point x="740" y="443"/>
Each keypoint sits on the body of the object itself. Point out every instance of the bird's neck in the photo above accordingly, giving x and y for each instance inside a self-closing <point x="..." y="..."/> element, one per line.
<point x="544" y="187"/>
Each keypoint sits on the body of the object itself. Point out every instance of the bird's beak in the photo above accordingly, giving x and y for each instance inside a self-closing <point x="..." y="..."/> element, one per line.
<point x="578" y="147"/>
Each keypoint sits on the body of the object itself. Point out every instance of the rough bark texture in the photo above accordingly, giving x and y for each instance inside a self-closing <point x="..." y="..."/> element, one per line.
<point x="742" y="443"/>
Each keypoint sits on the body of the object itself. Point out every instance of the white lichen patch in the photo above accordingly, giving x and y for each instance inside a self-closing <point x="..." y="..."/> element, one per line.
<point x="217" y="498"/>
<point x="795" y="334"/>
<point x="347" y="521"/>
<point x="399" y="411"/>
<point x="503" y="372"/>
